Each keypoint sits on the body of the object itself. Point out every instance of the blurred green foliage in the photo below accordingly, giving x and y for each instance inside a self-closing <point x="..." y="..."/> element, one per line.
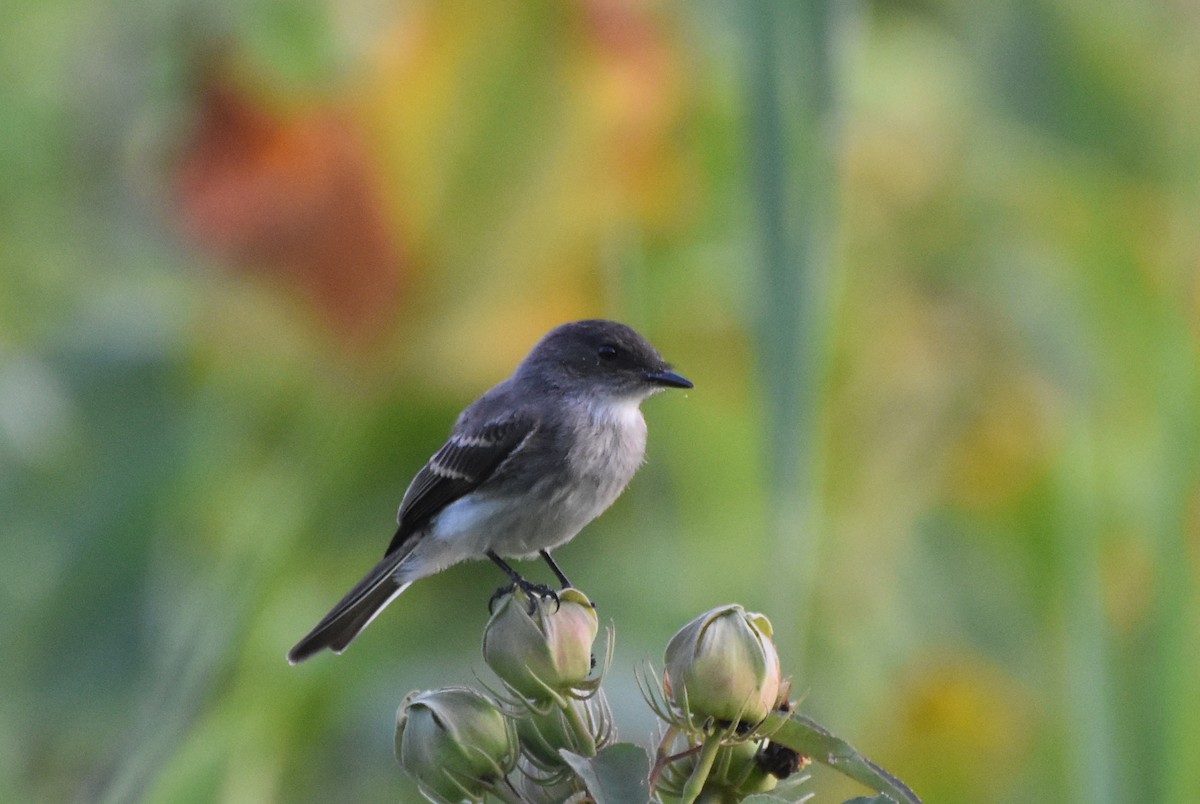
<point x="934" y="267"/>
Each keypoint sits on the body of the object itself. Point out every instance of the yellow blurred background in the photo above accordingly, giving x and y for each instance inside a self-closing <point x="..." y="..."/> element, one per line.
<point x="933" y="266"/>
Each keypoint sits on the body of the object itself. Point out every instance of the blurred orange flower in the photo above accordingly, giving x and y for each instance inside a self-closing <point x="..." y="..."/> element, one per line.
<point x="293" y="196"/>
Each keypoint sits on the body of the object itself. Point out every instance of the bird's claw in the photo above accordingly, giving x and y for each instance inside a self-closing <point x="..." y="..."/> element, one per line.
<point x="534" y="592"/>
<point x="538" y="591"/>
<point x="499" y="593"/>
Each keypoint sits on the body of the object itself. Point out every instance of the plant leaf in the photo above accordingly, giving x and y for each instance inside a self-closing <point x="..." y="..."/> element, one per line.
<point x="617" y="775"/>
<point x="811" y="739"/>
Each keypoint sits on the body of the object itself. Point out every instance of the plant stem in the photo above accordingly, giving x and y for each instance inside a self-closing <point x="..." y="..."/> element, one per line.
<point x="704" y="763"/>
<point x="794" y="102"/>
<point x="585" y="744"/>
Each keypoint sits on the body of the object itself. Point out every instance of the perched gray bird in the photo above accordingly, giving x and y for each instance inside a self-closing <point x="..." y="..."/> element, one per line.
<point x="527" y="465"/>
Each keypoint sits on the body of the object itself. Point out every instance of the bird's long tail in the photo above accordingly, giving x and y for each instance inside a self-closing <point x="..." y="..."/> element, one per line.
<point x="353" y="612"/>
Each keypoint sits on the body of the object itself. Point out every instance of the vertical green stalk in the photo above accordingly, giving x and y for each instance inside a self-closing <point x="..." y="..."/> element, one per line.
<point x="1087" y="677"/>
<point x="1176" y="621"/>
<point x="704" y="763"/>
<point x="792" y="97"/>
<point x="584" y="743"/>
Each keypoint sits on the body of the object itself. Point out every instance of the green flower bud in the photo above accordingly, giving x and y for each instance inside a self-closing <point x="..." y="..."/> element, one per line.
<point x="550" y="649"/>
<point x="455" y="742"/>
<point x="723" y="665"/>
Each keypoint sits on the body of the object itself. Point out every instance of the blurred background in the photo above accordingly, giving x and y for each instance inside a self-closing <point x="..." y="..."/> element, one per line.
<point x="934" y="267"/>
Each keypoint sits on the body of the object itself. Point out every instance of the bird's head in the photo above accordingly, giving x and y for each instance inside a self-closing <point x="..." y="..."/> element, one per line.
<point x="601" y="357"/>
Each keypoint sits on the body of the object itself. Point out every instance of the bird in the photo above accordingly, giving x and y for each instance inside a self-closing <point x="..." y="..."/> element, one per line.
<point x="526" y="466"/>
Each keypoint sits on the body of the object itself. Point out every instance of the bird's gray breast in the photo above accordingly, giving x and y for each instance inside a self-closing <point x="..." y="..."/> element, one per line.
<point x="608" y="444"/>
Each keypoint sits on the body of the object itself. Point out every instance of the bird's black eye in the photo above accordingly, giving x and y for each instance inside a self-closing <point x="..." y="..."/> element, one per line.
<point x="607" y="352"/>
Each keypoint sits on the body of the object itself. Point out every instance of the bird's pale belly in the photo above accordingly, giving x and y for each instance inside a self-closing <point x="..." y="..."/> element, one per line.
<point x="562" y="510"/>
<point x="470" y="527"/>
<point x="594" y="475"/>
<point x="596" y="472"/>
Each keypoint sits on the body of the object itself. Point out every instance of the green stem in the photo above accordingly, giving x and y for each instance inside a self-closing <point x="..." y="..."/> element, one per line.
<point x="586" y="743"/>
<point x="794" y="110"/>
<point x="1087" y="684"/>
<point x="704" y="763"/>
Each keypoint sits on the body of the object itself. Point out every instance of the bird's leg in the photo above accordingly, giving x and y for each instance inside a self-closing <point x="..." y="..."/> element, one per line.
<point x="532" y="590"/>
<point x="558" y="573"/>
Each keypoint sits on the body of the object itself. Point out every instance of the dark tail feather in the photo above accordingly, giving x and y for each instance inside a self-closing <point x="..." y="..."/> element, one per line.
<point x="352" y="614"/>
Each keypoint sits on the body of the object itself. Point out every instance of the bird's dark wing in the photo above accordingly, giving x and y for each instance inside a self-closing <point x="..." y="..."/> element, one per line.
<point x="465" y="461"/>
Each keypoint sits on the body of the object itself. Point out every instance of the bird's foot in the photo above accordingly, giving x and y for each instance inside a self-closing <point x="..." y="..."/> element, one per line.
<point x="499" y="593"/>
<point x="534" y="592"/>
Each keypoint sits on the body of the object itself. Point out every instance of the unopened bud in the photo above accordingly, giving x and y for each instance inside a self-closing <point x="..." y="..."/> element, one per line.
<point x="455" y="742"/>
<point x="723" y="665"/>
<point x="550" y="649"/>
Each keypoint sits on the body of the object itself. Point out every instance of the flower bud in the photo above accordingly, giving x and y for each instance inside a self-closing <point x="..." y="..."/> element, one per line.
<point x="550" y="649"/>
<point x="723" y="665"/>
<point x="455" y="742"/>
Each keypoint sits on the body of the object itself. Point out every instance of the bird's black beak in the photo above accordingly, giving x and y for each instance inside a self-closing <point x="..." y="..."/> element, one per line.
<point x="668" y="378"/>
